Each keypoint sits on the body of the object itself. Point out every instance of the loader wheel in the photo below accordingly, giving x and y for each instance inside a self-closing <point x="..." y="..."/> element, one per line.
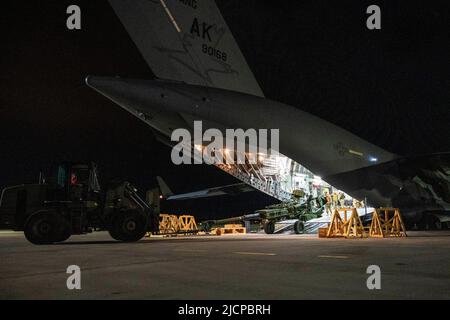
<point x="128" y="226"/>
<point x="269" y="227"/>
<point x="65" y="230"/>
<point x="42" y="228"/>
<point x="299" y="227"/>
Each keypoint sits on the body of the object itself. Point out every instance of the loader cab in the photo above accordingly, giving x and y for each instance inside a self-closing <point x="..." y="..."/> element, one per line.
<point x="75" y="182"/>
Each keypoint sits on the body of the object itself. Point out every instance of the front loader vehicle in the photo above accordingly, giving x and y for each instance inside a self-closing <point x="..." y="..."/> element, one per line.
<point x="72" y="202"/>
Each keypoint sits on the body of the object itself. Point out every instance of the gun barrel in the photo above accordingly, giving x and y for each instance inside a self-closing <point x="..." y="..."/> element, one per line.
<point x="237" y="219"/>
<point x="221" y="222"/>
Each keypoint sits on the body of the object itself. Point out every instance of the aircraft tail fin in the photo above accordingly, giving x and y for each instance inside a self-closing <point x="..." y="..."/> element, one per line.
<point x="164" y="188"/>
<point x="187" y="41"/>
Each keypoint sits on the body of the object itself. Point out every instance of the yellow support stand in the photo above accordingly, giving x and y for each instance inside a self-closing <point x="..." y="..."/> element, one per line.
<point x="392" y="227"/>
<point x="398" y="227"/>
<point x="171" y="224"/>
<point x="346" y="226"/>
<point x="383" y="225"/>
<point x="168" y="223"/>
<point x="187" y="223"/>
<point x="354" y="226"/>
<point x="337" y="225"/>
<point x="376" y="227"/>
<point x="386" y="222"/>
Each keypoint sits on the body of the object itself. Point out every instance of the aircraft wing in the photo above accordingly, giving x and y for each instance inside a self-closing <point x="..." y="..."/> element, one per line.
<point x="231" y="189"/>
<point x="187" y="41"/>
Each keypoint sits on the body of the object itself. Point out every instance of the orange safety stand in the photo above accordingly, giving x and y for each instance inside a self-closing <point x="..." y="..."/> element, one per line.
<point x="343" y="227"/>
<point x="337" y="225"/>
<point x="385" y="226"/>
<point x="168" y="223"/>
<point x="376" y="227"/>
<point x="355" y="227"/>
<point x="187" y="223"/>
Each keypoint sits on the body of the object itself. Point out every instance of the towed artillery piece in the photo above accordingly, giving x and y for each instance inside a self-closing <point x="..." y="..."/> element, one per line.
<point x="296" y="208"/>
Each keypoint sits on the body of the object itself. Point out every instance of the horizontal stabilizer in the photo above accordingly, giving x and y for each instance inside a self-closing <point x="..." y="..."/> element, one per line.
<point x="231" y="189"/>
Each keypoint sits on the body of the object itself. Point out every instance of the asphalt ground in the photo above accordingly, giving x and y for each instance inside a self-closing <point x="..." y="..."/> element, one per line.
<point x="227" y="267"/>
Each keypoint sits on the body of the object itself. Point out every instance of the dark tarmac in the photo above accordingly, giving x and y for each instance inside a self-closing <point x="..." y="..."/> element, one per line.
<point x="227" y="267"/>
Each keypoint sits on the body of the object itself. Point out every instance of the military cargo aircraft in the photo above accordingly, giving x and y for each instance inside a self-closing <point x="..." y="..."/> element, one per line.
<point x="202" y="75"/>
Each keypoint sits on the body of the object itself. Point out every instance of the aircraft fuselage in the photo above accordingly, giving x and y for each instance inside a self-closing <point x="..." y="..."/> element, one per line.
<point x="341" y="158"/>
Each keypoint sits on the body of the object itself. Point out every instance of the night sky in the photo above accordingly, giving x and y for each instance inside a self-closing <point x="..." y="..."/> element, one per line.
<point x="390" y="86"/>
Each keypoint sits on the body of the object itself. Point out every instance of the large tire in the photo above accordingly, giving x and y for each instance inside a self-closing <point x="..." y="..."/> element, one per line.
<point x="128" y="226"/>
<point x="299" y="227"/>
<point x="269" y="227"/>
<point x="65" y="232"/>
<point x="43" y="227"/>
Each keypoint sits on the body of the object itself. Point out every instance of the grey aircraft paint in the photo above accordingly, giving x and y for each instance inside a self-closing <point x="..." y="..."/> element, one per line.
<point x="416" y="185"/>
<point x="217" y="86"/>
<point x="188" y="42"/>
<point x="320" y="146"/>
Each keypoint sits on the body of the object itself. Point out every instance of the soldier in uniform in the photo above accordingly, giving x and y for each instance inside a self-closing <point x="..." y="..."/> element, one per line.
<point x="328" y="204"/>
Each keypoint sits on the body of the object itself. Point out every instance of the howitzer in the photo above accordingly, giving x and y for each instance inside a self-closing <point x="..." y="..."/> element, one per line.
<point x="293" y="209"/>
